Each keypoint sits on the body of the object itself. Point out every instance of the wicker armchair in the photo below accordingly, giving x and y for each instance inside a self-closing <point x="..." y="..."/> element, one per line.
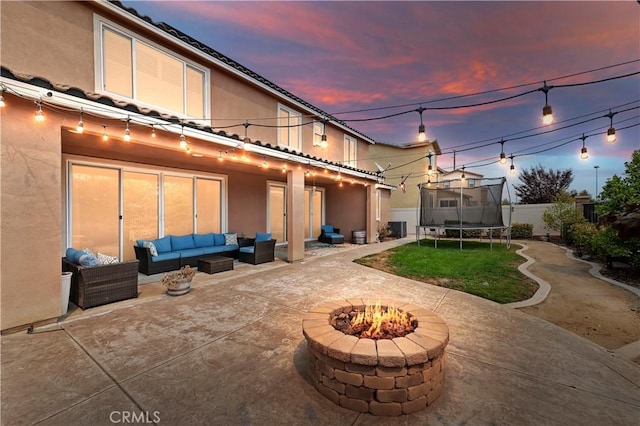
<point x="99" y="285"/>
<point x="257" y="252"/>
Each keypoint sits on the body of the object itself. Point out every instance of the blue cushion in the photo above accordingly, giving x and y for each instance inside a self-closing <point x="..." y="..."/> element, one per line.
<point x="182" y="242"/>
<point x="190" y="252"/>
<point x="165" y="256"/>
<point x="327" y="228"/>
<point x="219" y="239"/>
<point x="163" y="245"/>
<point x="203" y="240"/>
<point x="230" y="247"/>
<point x="263" y="237"/>
<point x="88" y="260"/>
<point x="334" y="235"/>
<point x="248" y="249"/>
<point x="73" y="255"/>
<point x="140" y="243"/>
<point x="213" y="249"/>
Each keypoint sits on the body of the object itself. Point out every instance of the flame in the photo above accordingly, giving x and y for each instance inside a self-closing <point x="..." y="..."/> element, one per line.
<point x="377" y="317"/>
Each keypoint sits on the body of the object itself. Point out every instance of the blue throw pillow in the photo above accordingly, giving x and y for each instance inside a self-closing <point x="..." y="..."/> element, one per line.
<point x="219" y="239"/>
<point x="73" y="255"/>
<point x="163" y="245"/>
<point x="203" y="240"/>
<point x="262" y="236"/>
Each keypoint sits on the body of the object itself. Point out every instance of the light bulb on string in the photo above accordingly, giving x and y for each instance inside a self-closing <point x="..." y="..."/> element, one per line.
<point x="127" y="132"/>
<point x="105" y="136"/>
<point x="611" y="132"/>
<point x="584" y="154"/>
<point x="220" y="157"/>
<point x="422" y="134"/>
<point x="39" y="114"/>
<point x="512" y="168"/>
<point x="183" y="141"/>
<point x="463" y="177"/>
<point x="153" y="131"/>
<point x="80" y="126"/>
<point x="547" y="114"/>
<point x="503" y="157"/>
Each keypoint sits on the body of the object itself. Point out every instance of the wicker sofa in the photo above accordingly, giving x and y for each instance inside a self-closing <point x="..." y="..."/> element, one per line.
<point x="261" y="249"/>
<point x="175" y="252"/>
<point x="102" y="284"/>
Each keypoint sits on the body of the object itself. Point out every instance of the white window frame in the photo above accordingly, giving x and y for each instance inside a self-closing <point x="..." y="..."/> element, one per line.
<point x="99" y="23"/>
<point x="378" y="204"/>
<point x="295" y="144"/>
<point x="318" y="131"/>
<point x="348" y="143"/>
<point x="471" y="183"/>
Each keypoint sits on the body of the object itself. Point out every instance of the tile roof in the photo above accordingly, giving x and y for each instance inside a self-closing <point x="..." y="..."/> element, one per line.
<point x="176" y="33"/>
<point x="135" y="109"/>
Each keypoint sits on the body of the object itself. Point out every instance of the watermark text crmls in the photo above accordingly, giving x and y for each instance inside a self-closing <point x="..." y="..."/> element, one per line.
<point x="134" y="417"/>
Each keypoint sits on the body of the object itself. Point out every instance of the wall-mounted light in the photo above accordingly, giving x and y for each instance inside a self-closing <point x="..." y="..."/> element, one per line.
<point x="547" y="114"/>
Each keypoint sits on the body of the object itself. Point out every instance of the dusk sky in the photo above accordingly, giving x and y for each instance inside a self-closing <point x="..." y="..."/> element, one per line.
<point x="390" y="57"/>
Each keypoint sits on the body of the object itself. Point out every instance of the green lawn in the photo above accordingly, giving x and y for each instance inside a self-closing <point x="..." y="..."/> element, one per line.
<point x="476" y="269"/>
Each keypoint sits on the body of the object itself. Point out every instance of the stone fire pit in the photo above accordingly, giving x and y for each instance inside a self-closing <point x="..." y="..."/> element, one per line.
<point x="387" y="377"/>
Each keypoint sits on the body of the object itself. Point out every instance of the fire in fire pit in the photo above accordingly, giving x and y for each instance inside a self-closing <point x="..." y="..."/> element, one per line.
<point x="375" y="322"/>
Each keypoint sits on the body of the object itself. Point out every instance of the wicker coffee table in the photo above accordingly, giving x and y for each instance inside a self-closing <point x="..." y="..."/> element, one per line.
<point x="214" y="264"/>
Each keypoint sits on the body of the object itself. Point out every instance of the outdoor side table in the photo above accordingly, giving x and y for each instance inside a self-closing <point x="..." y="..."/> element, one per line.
<point x="214" y="264"/>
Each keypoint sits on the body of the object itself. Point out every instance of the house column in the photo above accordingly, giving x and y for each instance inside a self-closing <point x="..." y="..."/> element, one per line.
<point x="295" y="215"/>
<point x="372" y="224"/>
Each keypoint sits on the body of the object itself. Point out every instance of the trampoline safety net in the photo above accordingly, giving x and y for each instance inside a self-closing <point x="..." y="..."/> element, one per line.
<point x="458" y="207"/>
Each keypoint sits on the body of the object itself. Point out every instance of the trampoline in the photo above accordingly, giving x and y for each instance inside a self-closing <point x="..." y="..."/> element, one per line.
<point x="443" y="207"/>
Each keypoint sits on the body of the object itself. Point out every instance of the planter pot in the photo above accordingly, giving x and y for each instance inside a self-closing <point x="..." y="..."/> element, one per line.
<point x="65" y="289"/>
<point x="179" y="287"/>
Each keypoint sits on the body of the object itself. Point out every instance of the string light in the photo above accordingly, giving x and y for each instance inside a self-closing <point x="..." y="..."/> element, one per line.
<point x="183" y="141"/>
<point x="220" y="157"/>
<point x="39" y="115"/>
<point x="463" y="175"/>
<point x="284" y="167"/>
<point x="512" y="169"/>
<point x="422" y="134"/>
<point x="153" y="131"/>
<point x="430" y="167"/>
<point x="547" y="114"/>
<point x="583" y="152"/>
<point x="246" y="140"/>
<point x="264" y="163"/>
<point x="611" y="132"/>
<point x="127" y="132"/>
<point x="80" y="126"/>
<point x="503" y="157"/>
<point x="105" y="136"/>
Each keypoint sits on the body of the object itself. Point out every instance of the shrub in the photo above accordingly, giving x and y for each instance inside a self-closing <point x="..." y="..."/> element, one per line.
<point x="522" y="231"/>
<point x="466" y="233"/>
<point x="582" y="235"/>
<point x="606" y="244"/>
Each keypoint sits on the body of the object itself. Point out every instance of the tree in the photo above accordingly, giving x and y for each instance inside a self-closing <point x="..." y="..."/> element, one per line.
<point x="619" y="192"/>
<point x="541" y="186"/>
<point x="562" y="214"/>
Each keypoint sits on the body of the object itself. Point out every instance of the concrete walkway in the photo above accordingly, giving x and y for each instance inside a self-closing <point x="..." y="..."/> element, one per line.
<point x="231" y="352"/>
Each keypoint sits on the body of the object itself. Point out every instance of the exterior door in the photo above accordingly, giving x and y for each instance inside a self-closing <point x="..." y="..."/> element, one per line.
<point x="277" y="212"/>
<point x="312" y="212"/>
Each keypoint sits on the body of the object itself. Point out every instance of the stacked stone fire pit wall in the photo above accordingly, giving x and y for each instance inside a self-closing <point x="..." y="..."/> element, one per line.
<point x="387" y="377"/>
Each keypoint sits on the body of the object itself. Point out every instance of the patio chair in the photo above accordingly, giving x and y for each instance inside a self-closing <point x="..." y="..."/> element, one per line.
<point x="330" y="235"/>
<point x="261" y="249"/>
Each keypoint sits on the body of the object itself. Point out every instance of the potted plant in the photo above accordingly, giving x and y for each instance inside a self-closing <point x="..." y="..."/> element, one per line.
<point x="178" y="282"/>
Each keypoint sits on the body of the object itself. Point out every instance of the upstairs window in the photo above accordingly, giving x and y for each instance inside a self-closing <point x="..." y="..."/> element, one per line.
<point x="350" y="151"/>
<point x="448" y="203"/>
<point x="472" y="183"/>
<point x="289" y="122"/>
<point x="137" y="70"/>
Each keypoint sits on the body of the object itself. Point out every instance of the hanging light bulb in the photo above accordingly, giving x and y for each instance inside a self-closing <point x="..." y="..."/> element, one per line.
<point x="503" y="157"/>
<point x="284" y="167"/>
<point x="246" y="140"/>
<point x="105" y="136"/>
<point x="153" y="131"/>
<point x="611" y="133"/>
<point x="183" y="141"/>
<point x="323" y="141"/>
<point x="547" y="114"/>
<point x="80" y="126"/>
<point x="220" y="157"/>
<point x="39" y="115"/>
<point x="429" y="167"/>
<point x="463" y="177"/>
<point x="127" y="132"/>
<point x="512" y="169"/>
<point x="583" y="152"/>
<point x="422" y="134"/>
<point x="264" y="164"/>
<point x="428" y="182"/>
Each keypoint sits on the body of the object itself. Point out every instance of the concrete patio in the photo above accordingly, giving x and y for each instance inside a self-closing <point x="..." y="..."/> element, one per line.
<point x="231" y="352"/>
